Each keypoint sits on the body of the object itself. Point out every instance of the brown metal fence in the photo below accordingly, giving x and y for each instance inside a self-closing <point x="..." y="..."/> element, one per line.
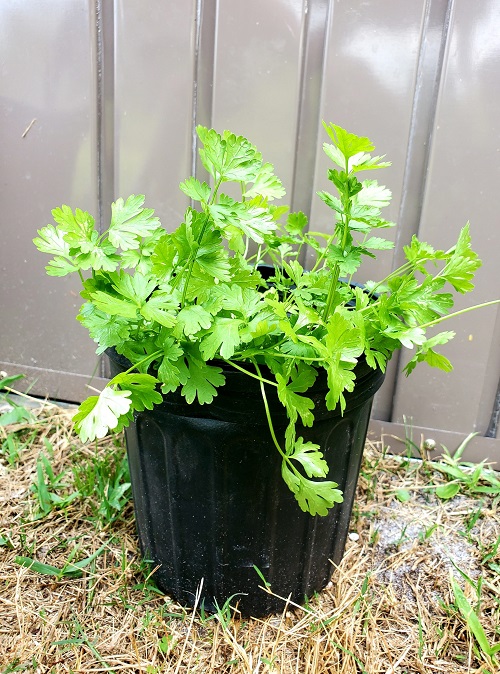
<point x="100" y="99"/>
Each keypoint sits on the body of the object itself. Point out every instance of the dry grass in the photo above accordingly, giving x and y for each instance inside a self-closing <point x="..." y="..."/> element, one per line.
<point x="388" y="609"/>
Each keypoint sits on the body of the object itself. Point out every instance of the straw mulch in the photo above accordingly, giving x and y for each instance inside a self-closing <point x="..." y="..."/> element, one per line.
<point x="389" y="607"/>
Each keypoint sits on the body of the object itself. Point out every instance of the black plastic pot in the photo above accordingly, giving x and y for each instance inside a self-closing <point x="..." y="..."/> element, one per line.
<point x="210" y="502"/>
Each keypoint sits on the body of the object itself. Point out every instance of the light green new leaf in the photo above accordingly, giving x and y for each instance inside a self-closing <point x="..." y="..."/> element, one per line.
<point x="296" y="223"/>
<point x="373" y="195"/>
<point x="227" y="156"/>
<point x="448" y="490"/>
<point x="99" y="414"/>
<point x="266" y="184"/>
<point x="294" y="403"/>
<point x="463" y="263"/>
<point x="376" y="243"/>
<point x="51" y="240"/>
<point x="130" y="221"/>
<point x="196" y="190"/>
<point x="101" y="256"/>
<point x="112" y="305"/>
<point x="136" y="287"/>
<point x="348" y="143"/>
<point x="426" y="353"/>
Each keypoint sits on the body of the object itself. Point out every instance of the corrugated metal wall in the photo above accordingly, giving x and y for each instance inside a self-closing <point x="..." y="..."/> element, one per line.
<point x="100" y="99"/>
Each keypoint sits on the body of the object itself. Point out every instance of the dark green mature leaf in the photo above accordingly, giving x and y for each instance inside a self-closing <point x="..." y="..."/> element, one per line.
<point x="310" y="458"/>
<point x="161" y="307"/>
<point x="223" y="338"/>
<point x="169" y="372"/>
<point x="313" y="497"/>
<point x="142" y="388"/>
<point x="104" y="329"/>
<point x="202" y="381"/>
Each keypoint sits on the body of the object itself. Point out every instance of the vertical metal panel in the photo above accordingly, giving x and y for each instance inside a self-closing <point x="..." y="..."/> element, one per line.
<point x="257" y="76"/>
<point x="464" y="173"/>
<point x="154" y="73"/>
<point x="48" y="158"/>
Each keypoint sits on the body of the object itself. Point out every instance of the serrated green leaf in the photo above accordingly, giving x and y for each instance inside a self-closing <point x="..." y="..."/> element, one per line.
<point x="296" y="223"/>
<point x="162" y="258"/>
<point x="113" y="306"/>
<point x="348" y="259"/>
<point x="104" y="329"/>
<point x="253" y="221"/>
<point x="130" y="221"/>
<point x="192" y="319"/>
<point x="161" y="307"/>
<point x="313" y="497"/>
<point x="266" y="184"/>
<point x="196" y="190"/>
<point x="51" y="240"/>
<point x="373" y="195"/>
<point x="142" y="388"/>
<point x="223" y="338"/>
<point x="376" y="243"/>
<point x="295" y="404"/>
<point x="310" y="458"/>
<point x="202" y="382"/>
<point x="228" y="157"/>
<point x="136" y="287"/>
<point x="348" y="143"/>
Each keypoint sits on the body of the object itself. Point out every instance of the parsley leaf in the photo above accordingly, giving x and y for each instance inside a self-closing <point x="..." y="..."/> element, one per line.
<point x="98" y="414"/>
<point x="130" y="221"/>
<point x="202" y="381"/>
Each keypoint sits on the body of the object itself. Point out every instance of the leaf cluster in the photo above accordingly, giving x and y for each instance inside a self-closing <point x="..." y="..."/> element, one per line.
<point x="178" y="305"/>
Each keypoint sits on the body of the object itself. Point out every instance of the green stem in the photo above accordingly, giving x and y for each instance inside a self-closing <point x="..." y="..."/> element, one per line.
<point x="151" y="357"/>
<point x="250" y="374"/>
<point x="458" y="313"/>
<point x="268" y="413"/>
<point x="192" y="256"/>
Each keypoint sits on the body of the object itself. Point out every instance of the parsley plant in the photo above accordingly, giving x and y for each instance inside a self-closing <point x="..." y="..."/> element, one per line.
<point x="177" y="304"/>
